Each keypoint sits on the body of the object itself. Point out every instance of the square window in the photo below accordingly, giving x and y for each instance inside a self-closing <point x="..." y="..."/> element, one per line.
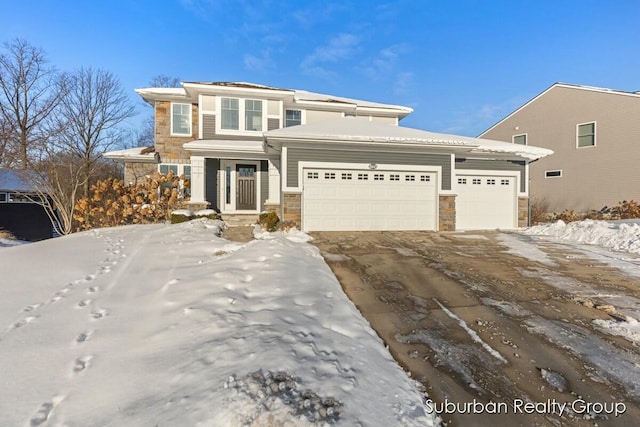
<point x="252" y="115"/>
<point x="504" y="182"/>
<point x="425" y="178"/>
<point x="378" y="177"/>
<point x="181" y="119"/>
<point x="587" y="135"/>
<point x="520" y="139"/>
<point x="363" y="176"/>
<point x="292" y="118"/>
<point x="462" y="180"/>
<point x="346" y="176"/>
<point x="477" y="181"/>
<point x="491" y="181"/>
<point x="409" y="177"/>
<point x="164" y="169"/>
<point x="230" y="110"/>
<point x="329" y="175"/>
<point x="312" y="175"/>
<point x="394" y="177"/>
<point x="3" y="197"/>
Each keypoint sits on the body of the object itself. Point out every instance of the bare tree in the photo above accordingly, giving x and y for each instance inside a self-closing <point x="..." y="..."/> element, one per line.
<point x="28" y="96"/>
<point x="162" y="80"/>
<point x="89" y="118"/>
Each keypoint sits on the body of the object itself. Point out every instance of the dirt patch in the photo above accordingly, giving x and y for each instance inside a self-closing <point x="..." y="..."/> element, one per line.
<point x="475" y="323"/>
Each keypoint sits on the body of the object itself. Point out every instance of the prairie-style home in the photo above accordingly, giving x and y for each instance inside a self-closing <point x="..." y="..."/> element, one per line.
<point x="328" y="162"/>
<point x="595" y="135"/>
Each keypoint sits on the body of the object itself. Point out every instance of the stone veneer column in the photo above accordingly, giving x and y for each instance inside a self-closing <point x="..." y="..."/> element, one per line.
<point x="447" y="212"/>
<point x="292" y="208"/>
<point x="523" y="211"/>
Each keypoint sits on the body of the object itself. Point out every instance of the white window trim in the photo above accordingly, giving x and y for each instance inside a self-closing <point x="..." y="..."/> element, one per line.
<point x="241" y="117"/>
<point x="190" y="133"/>
<point x="303" y="115"/>
<point x="526" y="138"/>
<point x="469" y="173"/>
<point x="595" y="133"/>
<point x="230" y="208"/>
<point x="552" y="170"/>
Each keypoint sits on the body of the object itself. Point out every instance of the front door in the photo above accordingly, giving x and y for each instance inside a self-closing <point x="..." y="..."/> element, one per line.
<point x="245" y="187"/>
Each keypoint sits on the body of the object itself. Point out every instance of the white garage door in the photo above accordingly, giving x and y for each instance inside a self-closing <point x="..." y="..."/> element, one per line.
<point x="486" y="202"/>
<point x="352" y="200"/>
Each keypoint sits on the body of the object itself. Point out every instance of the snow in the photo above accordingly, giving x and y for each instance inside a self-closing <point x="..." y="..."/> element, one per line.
<point x="616" y="235"/>
<point x="352" y="130"/>
<point x="172" y="325"/>
<point x="11" y="242"/>
<point x="182" y="212"/>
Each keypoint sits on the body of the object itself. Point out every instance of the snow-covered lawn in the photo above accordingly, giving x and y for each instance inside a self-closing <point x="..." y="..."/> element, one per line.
<point x="172" y="325"/>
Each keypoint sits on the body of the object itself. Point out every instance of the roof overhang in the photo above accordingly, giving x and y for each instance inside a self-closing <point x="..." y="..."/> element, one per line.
<point x="221" y="148"/>
<point x="133" y="155"/>
<point x="235" y="89"/>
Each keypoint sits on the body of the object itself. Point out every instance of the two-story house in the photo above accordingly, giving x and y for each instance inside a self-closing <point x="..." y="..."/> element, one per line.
<point x="595" y="135"/>
<point x="327" y="162"/>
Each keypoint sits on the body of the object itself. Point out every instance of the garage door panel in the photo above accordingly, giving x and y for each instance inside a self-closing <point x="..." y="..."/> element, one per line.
<point x="365" y="200"/>
<point x="485" y="202"/>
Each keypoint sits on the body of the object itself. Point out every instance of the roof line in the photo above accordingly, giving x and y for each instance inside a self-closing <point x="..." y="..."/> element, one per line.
<point x="566" y="85"/>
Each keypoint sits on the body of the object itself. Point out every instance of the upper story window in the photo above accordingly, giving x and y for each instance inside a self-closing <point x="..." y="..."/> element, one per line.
<point x="292" y="118"/>
<point x="586" y="135"/>
<point x="181" y="119"/>
<point x="241" y="114"/>
<point x="520" y="139"/>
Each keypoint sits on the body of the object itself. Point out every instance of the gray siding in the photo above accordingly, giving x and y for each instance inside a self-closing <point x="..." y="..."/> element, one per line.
<point x="209" y="131"/>
<point x="264" y="182"/>
<point x="212" y="167"/>
<point x="592" y="177"/>
<point x="296" y="155"/>
<point x="496" y="165"/>
<point x="273" y="124"/>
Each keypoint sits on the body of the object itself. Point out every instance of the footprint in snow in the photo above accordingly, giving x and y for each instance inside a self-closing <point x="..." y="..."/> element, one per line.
<point x="85" y="336"/>
<point x="100" y="314"/>
<point x="89" y="277"/>
<point x="248" y="278"/>
<point x="44" y="412"/>
<point x="24" y="322"/>
<point x="31" y="307"/>
<point x="93" y="289"/>
<point x="83" y="303"/>
<point x="81" y="363"/>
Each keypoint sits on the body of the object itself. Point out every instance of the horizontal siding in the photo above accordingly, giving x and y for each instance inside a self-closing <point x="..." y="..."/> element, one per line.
<point x="208" y="126"/>
<point x="296" y="155"/>
<point x="496" y="165"/>
<point x="273" y="124"/>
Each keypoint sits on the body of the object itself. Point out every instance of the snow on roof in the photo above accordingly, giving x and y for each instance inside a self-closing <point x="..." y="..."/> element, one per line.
<point x="303" y="95"/>
<point x="237" y="84"/>
<point x="141" y="154"/>
<point x="13" y="181"/>
<point x="351" y="129"/>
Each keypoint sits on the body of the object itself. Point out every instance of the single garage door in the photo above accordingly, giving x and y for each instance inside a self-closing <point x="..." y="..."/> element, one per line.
<point x="360" y="200"/>
<point x="486" y="202"/>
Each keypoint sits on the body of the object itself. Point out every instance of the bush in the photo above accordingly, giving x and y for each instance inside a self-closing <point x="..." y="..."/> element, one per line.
<point x="539" y="210"/>
<point x="181" y="215"/>
<point x="269" y="221"/>
<point x="626" y="210"/>
<point x="207" y="213"/>
<point x="113" y="203"/>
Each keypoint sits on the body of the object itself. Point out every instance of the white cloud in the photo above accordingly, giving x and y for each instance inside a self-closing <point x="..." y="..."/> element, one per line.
<point x="340" y="48"/>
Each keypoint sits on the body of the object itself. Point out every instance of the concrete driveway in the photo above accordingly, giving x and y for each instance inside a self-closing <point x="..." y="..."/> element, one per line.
<point x="503" y="323"/>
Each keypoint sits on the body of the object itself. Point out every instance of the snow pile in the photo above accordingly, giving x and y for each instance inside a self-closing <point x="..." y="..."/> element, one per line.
<point x="172" y="325"/>
<point x="629" y="329"/>
<point x="618" y="235"/>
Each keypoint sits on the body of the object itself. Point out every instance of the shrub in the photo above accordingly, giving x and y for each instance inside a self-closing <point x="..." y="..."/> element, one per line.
<point x="568" y="216"/>
<point x="207" y="213"/>
<point x="181" y="215"/>
<point x="113" y="203"/>
<point x="626" y="210"/>
<point x="269" y="221"/>
<point x="539" y="209"/>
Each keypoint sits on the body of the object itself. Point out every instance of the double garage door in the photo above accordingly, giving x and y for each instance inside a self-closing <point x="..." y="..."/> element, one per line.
<point x="486" y="202"/>
<point x="350" y="200"/>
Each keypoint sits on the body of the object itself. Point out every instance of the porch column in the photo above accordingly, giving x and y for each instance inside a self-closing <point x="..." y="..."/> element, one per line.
<point x="197" y="179"/>
<point x="274" y="181"/>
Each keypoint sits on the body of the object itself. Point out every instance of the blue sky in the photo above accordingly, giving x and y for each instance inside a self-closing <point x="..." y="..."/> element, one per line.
<point x="461" y="65"/>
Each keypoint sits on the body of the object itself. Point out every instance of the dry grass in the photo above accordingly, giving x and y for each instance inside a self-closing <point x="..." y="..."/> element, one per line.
<point x="4" y="234"/>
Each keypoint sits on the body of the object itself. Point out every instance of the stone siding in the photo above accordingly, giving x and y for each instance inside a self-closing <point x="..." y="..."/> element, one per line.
<point x="170" y="147"/>
<point x="135" y="173"/>
<point x="523" y="211"/>
<point x="292" y="208"/>
<point x="447" y="213"/>
<point x="272" y="207"/>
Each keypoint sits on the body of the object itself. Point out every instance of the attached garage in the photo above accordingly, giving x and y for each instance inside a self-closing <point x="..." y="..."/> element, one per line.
<point x="366" y="200"/>
<point x="486" y="201"/>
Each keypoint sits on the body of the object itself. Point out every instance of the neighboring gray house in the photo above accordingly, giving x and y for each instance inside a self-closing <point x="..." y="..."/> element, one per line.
<point x="595" y="135"/>
<point x="329" y="163"/>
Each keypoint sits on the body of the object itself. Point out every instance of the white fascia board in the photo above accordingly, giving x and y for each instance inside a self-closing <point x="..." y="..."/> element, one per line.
<point x="391" y="112"/>
<point x="366" y="145"/>
<point x="327" y="105"/>
<point x="150" y="95"/>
